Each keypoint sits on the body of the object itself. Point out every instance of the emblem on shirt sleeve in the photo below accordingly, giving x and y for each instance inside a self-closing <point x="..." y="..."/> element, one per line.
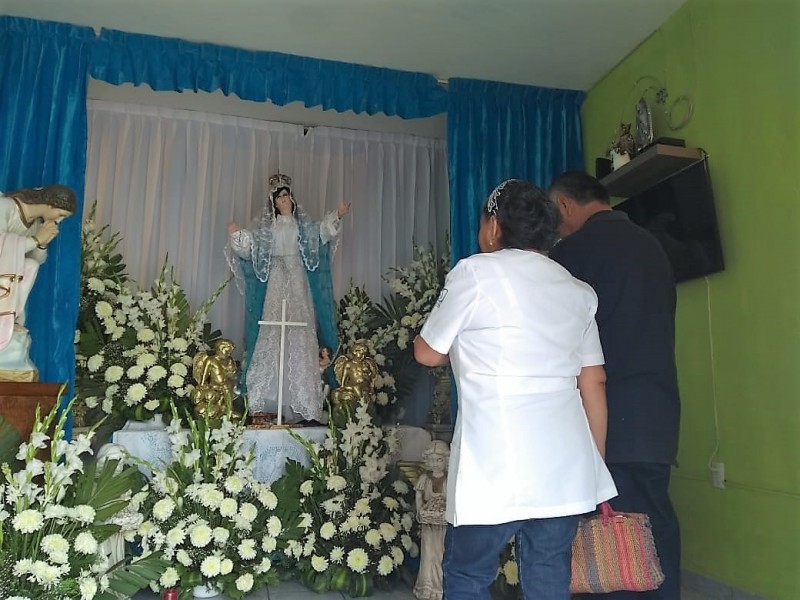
<point x="442" y="296"/>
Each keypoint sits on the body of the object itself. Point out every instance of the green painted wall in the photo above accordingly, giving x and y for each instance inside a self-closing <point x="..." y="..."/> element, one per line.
<point x="738" y="332"/>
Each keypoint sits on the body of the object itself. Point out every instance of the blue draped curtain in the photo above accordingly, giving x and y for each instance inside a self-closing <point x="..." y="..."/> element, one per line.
<point x="497" y="131"/>
<point x="43" y="141"/>
<point x="168" y="64"/>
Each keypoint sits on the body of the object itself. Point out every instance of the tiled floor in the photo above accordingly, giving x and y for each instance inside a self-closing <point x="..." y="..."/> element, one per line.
<point x="295" y="591"/>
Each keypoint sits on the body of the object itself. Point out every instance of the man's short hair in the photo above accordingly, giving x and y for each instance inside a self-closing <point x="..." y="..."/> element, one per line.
<point x="580" y="186"/>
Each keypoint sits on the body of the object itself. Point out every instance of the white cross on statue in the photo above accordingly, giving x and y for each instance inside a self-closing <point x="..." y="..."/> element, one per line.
<point x="283" y="325"/>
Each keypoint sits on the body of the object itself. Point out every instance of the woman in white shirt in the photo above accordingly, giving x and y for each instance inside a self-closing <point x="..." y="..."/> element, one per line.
<point x="526" y="457"/>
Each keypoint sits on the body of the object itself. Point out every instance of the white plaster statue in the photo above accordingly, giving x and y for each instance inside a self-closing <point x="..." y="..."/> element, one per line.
<point x="431" y="499"/>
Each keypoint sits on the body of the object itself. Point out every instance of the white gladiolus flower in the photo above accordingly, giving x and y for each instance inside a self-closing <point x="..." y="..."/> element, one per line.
<point x="244" y="583"/>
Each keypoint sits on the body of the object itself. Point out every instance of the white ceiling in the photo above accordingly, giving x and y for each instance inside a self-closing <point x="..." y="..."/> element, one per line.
<point x="549" y="43"/>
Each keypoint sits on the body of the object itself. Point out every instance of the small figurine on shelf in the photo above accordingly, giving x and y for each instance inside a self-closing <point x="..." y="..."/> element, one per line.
<point x="623" y="147"/>
<point x="356" y="373"/>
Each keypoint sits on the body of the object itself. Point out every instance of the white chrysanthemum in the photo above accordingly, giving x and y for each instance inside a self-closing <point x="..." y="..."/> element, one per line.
<point x="155" y="374"/>
<point x="210" y="497"/>
<point x="169" y="578"/>
<point x="387" y="531"/>
<point x="248" y="511"/>
<point x="234" y="484"/>
<point x="511" y="572"/>
<point x="96" y="285"/>
<point x="135" y="394"/>
<point x="182" y="556"/>
<point x="211" y="566"/>
<point x="391" y="503"/>
<point x="175" y="381"/>
<point x="28" y="521"/>
<point x="226" y="566"/>
<point x="318" y="563"/>
<point x="103" y="309"/>
<point x="373" y="538"/>
<point x="307" y="487"/>
<point x="406" y="541"/>
<point x="357" y="560"/>
<point x="85" y="543"/>
<point x="400" y="486"/>
<point x="274" y="526"/>
<point x="337" y="554"/>
<point x="87" y="587"/>
<point x="264" y="566"/>
<point x="179" y="369"/>
<point x="180" y="345"/>
<point x="146" y="360"/>
<point x="145" y="335"/>
<point x="113" y="374"/>
<point x="228" y="507"/>
<point x="94" y="363"/>
<point x="135" y="372"/>
<point x="397" y="555"/>
<point x="175" y="536"/>
<point x="221" y="535"/>
<point x="362" y="506"/>
<point x="336" y="483"/>
<point x="54" y="543"/>
<point x="151" y="405"/>
<point x="46" y="575"/>
<point x="22" y="567"/>
<point x="163" y="509"/>
<point x="269" y="543"/>
<point x="385" y="565"/>
<point x="305" y="520"/>
<point x="247" y="549"/>
<point x="267" y="498"/>
<point x="200" y="535"/>
<point x="327" y="531"/>
<point x="244" y="583"/>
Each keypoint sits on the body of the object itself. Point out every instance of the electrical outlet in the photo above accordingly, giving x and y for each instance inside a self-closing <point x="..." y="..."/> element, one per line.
<point x="718" y="475"/>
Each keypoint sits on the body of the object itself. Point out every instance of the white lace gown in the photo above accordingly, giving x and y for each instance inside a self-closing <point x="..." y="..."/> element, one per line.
<point x="302" y="384"/>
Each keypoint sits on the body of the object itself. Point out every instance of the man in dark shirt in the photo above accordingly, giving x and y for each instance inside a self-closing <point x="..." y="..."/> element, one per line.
<point x="635" y="286"/>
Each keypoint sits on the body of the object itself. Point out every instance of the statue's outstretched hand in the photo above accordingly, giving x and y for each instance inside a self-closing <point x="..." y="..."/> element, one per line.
<point x="47" y="232"/>
<point x="233" y="227"/>
<point x="344" y="208"/>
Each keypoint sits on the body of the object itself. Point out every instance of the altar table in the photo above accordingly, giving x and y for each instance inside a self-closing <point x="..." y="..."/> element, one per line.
<point x="273" y="446"/>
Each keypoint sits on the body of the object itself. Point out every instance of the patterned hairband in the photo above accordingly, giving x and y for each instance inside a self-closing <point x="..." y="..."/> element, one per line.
<point x="491" y="205"/>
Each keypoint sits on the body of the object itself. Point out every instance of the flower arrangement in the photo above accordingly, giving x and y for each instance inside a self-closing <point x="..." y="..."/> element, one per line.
<point x="360" y="509"/>
<point x="134" y="346"/>
<point x="54" y="516"/>
<point x="209" y="516"/>
<point x="389" y="327"/>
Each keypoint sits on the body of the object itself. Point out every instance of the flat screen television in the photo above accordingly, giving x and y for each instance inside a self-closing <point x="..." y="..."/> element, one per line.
<point x="680" y="212"/>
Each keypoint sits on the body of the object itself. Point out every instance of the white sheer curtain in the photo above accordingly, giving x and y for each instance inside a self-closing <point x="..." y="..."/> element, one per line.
<point x="170" y="180"/>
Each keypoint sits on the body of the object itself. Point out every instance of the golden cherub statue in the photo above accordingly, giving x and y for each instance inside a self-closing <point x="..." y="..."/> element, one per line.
<point x="356" y="373"/>
<point x="215" y="375"/>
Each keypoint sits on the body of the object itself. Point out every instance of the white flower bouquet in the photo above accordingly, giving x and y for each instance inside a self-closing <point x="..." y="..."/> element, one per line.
<point x="55" y="513"/>
<point x="358" y="509"/>
<point x="208" y="515"/>
<point x="134" y="346"/>
<point x="389" y="327"/>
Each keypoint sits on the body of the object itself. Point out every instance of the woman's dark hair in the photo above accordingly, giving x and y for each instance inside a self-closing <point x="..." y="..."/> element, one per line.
<point x="56" y="195"/>
<point x="274" y="197"/>
<point x="527" y="217"/>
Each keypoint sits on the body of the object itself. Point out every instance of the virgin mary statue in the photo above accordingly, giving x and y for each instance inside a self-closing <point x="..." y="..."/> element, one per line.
<point x="284" y="255"/>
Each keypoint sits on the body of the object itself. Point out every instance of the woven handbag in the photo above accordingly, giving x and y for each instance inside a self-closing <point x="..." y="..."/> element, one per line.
<point x="614" y="551"/>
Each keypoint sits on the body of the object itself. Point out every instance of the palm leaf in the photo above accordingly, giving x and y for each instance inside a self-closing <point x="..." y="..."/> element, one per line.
<point x="128" y="579"/>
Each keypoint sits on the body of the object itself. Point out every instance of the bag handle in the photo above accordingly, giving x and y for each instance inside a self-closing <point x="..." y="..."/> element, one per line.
<point x="608" y="512"/>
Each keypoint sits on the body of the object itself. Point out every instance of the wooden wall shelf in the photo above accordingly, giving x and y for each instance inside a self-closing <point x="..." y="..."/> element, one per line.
<point x="652" y="166"/>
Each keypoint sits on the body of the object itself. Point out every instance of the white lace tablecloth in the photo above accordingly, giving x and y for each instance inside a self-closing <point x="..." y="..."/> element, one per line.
<point x="273" y="446"/>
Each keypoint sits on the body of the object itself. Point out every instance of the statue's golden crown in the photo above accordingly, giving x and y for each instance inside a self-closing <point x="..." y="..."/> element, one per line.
<point x="279" y="180"/>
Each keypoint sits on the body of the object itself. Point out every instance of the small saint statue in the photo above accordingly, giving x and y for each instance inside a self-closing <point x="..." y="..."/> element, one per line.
<point x="29" y="222"/>
<point x="431" y="499"/>
<point x="356" y="373"/>
<point x="216" y="376"/>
